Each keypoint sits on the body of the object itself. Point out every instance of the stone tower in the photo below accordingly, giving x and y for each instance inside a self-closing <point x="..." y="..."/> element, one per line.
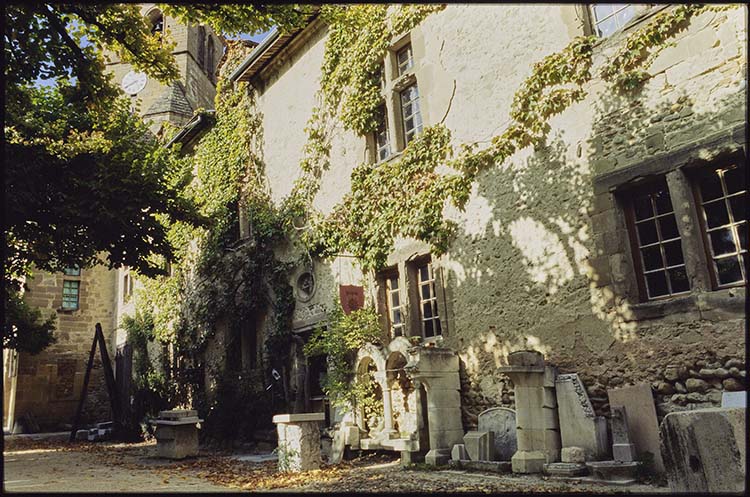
<point x="197" y="53"/>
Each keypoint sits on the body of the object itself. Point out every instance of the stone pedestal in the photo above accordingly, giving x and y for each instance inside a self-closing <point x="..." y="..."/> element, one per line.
<point x="537" y="426"/>
<point x="177" y="434"/>
<point x="299" y="441"/>
<point x="480" y="445"/>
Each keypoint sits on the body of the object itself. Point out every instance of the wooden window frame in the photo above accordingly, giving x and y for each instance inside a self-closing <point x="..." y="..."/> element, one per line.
<point x="433" y="299"/>
<point x="735" y="161"/>
<point x="627" y="197"/>
<point x="71" y="275"/>
<point x="385" y="278"/>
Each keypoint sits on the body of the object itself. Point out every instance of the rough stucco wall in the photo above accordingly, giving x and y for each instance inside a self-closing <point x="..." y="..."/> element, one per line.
<point x="540" y="261"/>
<point x="49" y="383"/>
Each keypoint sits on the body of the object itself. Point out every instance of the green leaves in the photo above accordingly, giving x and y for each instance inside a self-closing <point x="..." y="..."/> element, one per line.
<point x="24" y="329"/>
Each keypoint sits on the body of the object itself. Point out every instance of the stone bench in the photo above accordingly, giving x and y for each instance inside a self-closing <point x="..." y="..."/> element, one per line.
<point x="177" y="433"/>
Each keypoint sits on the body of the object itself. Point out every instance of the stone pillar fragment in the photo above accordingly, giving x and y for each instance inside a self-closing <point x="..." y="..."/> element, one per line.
<point x="299" y="441"/>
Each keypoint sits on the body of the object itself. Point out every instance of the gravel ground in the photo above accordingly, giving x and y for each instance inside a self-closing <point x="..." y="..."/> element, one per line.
<point x="55" y="466"/>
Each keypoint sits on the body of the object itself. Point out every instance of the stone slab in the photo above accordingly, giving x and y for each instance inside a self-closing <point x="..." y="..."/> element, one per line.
<point x="178" y="413"/>
<point x="458" y="453"/>
<point x="256" y="458"/>
<point x="573" y="455"/>
<point x="734" y="399"/>
<point x="704" y="450"/>
<point x="176" y="422"/>
<point x="489" y="466"/>
<point x="642" y="423"/>
<point x="565" y="469"/>
<point x="501" y="421"/>
<point x="299" y="418"/>
<point x="480" y="445"/>
<point x="623" y="472"/>
<point x="578" y="423"/>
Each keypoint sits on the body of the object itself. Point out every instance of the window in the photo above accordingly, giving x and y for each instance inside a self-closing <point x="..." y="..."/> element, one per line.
<point x="382" y="141"/>
<point x="399" y="118"/>
<point x="722" y="196"/>
<point x="608" y="18"/>
<point x="404" y="59"/>
<point x="127" y="286"/>
<point x="657" y="244"/>
<point x="157" y="22"/>
<point x="70" y="294"/>
<point x="210" y="58"/>
<point x="72" y="271"/>
<point x="410" y="113"/>
<point x="394" y="305"/>
<point x="428" y="311"/>
<point x="317" y="368"/>
<point x="202" y="47"/>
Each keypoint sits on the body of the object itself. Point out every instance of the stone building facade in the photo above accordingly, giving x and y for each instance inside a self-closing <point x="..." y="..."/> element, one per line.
<point x="556" y="250"/>
<point x="48" y="386"/>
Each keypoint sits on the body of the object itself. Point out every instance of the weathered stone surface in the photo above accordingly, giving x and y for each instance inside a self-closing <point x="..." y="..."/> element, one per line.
<point x="176" y="441"/>
<point x="299" y="442"/>
<point x="616" y="471"/>
<point x="458" y="453"/>
<point x="704" y="450"/>
<point x="573" y="454"/>
<point x="565" y="469"/>
<point x="578" y="424"/>
<point x="480" y="445"/>
<point x="622" y="449"/>
<point x="641" y="416"/>
<point x="732" y="385"/>
<point x="501" y="421"/>
<point x="696" y="385"/>
<point x="679" y="387"/>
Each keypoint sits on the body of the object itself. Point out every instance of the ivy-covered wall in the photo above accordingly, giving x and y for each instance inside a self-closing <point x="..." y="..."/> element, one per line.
<point x="539" y="259"/>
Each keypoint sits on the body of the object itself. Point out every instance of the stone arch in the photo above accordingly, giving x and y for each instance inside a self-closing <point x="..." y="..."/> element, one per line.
<point x="375" y="354"/>
<point x="156" y="18"/>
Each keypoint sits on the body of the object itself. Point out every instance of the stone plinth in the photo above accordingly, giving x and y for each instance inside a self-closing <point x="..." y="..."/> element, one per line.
<point x="704" y="450"/>
<point x="642" y="422"/>
<point x="537" y="426"/>
<point x="458" y="453"/>
<point x="299" y="441"/>
<point x="579" y="426"/>
<point x="480" y="445"/>
<point x="177" y="434"/>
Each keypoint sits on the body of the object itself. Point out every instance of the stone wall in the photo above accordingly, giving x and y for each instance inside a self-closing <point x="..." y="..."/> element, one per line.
<point x="542" y="259"/>
<point x="50" y="383"/>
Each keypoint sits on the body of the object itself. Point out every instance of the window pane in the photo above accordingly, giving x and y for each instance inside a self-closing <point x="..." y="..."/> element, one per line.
<point x="438" y="328"/>
<point x="716" y="213"/>
<point x="393" y="282"/>
<point x="428" y="329"/>
<point x="657" y="284"/>
<point x="72" y="271"/>
<point x="424" y="273"/>
<point x="734" y="179"/>
<point x="394" y="299"/>
<point x="728" y="269"/>
<point x="425" y="292"/>
<point x="643" y="207"/>
<point x="663" y="202"/>
<point x="742" y="232"/>
<point x="607" y="27"/>
<point x="710" y="187"/>
<point x="647" y="232"/>
<point x="625" y="15"/>
<point x="678" y="279"/>
<point x="426" y="310"/>
<point x="668" y="227"/>
<point x="397" y="317"/>
<point x="673" y="253"/>
<point x="602" y="10"/>
<point x="738" y="207"/>
<point x="722" y="241"/>
<point x="652" y="258"/>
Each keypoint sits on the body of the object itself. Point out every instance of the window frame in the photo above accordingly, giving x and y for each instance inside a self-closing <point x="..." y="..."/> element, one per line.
<point x="734" y="161"/>
<point x="594" y="22"/>
<point x="628" y="196"/>
<point x="433" y="300"/>
<point x="71" y="275"/>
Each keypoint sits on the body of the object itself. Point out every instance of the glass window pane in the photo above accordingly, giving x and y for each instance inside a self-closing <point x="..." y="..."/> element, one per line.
<point x="657" y="284"/>
<point x="602" y="10"/>
<point x="734" y="180"/>
<point x="397" y="316"/>
<point x="679" y="280"/>
<point x="438" y="328"/>
<point x="647" y="232"/>
<point x="425" y="292"/>
<point x="72" y="271"/>
<point x="643" y="208"/>
<point x="394" y="299"/>
<point x="722" y="241"/>
<point x="668" y="227"/>
<point x="716" y="213"/>
<point x="394" y="282"/>
<point x="673" y="253"/>
<point x="427" y="310"/>
<point x="663" y="202"/>
<point x="652" y="258"/>
<point x="742" y="232"/>
<point x="710" y="187"/>
<point x="738" y="207"/>
<point x="625" y="15"/>
<point x="728" y="270"/>
<point x="607" y="27"/>
<point x="428" y="329"/>
<point x="424" y="274"/>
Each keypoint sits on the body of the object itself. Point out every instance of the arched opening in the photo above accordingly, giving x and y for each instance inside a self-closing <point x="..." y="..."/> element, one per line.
<point x="156" y="18"/>
<point x="210" y="58"/>
<point x="369" y="413"/>
<point x="202" y="47"/>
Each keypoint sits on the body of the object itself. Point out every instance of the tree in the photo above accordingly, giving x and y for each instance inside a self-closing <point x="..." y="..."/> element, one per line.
<point x="83" y="175"/>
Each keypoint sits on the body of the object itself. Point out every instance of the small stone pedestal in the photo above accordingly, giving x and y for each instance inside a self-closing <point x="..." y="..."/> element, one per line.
<point x="299" y="441"/>
<point x="537" y="425"/>
<point x="177" y="433"/>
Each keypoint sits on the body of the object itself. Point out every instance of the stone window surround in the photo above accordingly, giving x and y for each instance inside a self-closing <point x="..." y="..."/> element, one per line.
<point x="407" y="268"/>
<point x="392" y="84"/>
<point x="677" y="167"/>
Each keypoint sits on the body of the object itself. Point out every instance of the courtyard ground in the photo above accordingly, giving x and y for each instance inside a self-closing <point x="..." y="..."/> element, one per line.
<point x="56" y="466"/>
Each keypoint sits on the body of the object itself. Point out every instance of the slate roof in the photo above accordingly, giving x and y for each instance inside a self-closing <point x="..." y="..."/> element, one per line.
<point x="173" y="99"/>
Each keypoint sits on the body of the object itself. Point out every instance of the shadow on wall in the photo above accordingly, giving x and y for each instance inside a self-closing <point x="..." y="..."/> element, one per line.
<point x="532" y="277"/>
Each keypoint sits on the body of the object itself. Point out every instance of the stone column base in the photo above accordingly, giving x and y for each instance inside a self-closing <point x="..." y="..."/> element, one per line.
<point x="528" y="461"/>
